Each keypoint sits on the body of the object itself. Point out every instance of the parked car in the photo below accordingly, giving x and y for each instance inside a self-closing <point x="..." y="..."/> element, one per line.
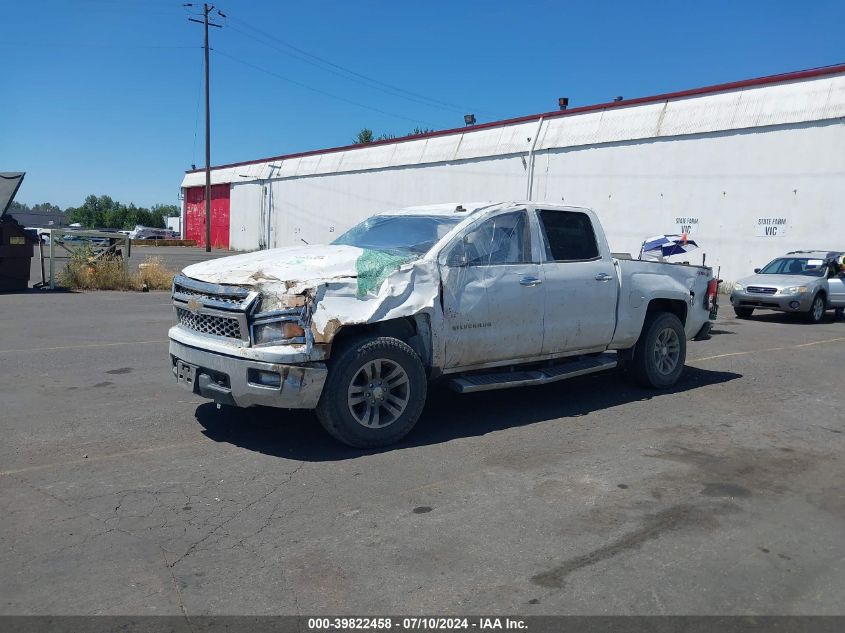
<point x="147" y="233"/>
<point x="485" y="296"/>
<point x="806" y="282"/>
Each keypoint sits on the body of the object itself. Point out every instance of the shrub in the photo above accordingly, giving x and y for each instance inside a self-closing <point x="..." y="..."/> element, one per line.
<point x="83" y="272"/>
<point x="154" y="274"/>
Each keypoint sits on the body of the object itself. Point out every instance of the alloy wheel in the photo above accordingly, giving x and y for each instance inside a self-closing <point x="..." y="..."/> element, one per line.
<point x="667" y="351"/>
<point x="379" y="393"/>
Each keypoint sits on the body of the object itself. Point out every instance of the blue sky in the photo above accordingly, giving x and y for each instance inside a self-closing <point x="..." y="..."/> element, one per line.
<point x="102" y="96"/>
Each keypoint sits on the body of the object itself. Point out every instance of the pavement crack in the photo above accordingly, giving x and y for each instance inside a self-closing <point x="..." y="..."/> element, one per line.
<point x="194" y="547"/>
<point x="176" y="588"/>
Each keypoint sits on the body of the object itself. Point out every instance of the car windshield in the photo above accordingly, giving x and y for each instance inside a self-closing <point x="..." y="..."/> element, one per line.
<point x="795" y="266"/>
<point x="401" y="234"/>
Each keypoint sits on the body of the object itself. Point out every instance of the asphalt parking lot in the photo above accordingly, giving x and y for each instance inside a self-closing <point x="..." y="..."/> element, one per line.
<point x="122" y="494"/>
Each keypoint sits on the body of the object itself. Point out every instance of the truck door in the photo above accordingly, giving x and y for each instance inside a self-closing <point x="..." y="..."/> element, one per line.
<point x="492" y="294"/>
<point x="580" y="283"/>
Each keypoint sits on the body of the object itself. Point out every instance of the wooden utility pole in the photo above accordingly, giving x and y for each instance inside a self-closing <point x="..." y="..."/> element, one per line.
<point x="206" y="10"/>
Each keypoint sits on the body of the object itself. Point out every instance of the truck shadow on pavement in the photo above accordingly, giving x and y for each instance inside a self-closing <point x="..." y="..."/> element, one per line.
<point x="447" y="415"/>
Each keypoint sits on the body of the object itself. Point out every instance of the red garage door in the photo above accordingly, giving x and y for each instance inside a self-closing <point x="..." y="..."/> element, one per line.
<point x="195" y="215"/>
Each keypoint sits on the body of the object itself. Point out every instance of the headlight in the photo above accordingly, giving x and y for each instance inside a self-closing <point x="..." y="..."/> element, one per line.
<point x="274" y="331"/>
<point x="738" y="287"/>
<point x="793" y="290"/>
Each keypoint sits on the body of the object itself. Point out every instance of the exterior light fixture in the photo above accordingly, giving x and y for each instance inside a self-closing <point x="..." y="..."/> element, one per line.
<point x="562" y="102"/>
<point x="469" y="119"/>
<point x="619" y="98"/>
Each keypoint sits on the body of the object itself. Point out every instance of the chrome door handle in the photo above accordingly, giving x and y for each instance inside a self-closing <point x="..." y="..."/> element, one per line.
<point x="530" y="281"/>
<point x="603" y="277"/>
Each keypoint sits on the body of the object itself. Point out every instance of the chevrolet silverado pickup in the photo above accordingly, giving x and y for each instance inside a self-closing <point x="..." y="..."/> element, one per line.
<point x="482" y="296"/>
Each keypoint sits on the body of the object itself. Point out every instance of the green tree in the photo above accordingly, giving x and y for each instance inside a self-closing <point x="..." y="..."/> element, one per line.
<point x="364" y="136"/>
<point x="105" y="212"/>
<point x="167" y="210"/>
<point x="46" y="207"/>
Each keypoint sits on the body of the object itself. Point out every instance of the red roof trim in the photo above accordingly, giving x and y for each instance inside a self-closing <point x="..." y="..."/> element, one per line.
<point x="734" y="85"/>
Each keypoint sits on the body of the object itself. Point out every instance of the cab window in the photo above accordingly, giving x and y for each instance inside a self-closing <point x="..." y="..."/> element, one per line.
<point x="568" y="236"/>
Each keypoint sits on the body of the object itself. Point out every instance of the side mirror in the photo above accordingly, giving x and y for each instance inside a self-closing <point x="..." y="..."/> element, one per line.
<point x="756" y="270"/>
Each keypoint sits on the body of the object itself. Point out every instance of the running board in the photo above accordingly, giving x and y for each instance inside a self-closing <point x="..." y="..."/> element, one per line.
<point x="542" y="376"/>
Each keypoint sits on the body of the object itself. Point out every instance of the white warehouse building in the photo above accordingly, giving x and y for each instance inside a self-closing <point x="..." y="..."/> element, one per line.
<point x="749" y="170"/>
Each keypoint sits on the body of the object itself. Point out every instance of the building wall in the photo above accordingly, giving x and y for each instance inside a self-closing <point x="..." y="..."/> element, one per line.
<point x="724" y="163"/>
<point x="722" y="182"/>
<point x="317" y="209"/>
<point x="725" y="182"/>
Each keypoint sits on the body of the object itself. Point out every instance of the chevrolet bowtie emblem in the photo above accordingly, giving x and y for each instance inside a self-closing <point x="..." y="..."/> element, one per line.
<point x="194" y="305"/>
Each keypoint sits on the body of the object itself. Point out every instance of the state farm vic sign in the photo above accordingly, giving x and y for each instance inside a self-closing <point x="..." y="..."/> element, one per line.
<point x="771" y="226"/>
<point x="686" y="225"/>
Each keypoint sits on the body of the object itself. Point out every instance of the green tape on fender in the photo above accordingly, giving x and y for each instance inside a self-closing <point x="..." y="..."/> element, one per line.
<point x="373" y="267"/>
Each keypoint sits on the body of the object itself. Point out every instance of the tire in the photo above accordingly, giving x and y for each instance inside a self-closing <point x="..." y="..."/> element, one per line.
<point x="660" y="352"/>
<point x="816" y="312"/>
<point x="367" y="414"/>
<point x="743" y="313"/>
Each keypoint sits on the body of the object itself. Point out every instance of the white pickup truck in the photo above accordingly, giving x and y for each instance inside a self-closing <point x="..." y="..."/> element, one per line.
<point x="484" y="296"/>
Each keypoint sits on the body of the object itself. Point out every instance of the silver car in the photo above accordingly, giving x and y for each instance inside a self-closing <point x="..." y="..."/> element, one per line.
<point x="807" y="282"/>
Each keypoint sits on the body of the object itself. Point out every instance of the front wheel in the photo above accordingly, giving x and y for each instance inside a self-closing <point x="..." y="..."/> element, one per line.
<point x="374" y="393"/>
<point x="660" y="352"/>
<point x="816" y="311"/>
<point x="744" y="313"/>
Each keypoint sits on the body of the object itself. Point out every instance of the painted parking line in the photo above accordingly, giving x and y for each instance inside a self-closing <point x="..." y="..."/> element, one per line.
<point x="82" y="346"/>
<point x="768" y="349"/>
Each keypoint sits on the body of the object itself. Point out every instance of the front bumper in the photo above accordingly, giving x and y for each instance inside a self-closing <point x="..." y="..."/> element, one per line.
<point x="232" y="380"/>
<point x="783" y="303"/>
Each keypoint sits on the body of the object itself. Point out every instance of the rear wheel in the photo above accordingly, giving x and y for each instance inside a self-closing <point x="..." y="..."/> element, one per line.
<point x="816" y="312"/>
<point x="743" y="313"/>
<point x="374" y="393"/>
<point x="660" y="352"/>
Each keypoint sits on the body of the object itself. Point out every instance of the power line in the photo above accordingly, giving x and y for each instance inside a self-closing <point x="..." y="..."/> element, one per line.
<point x="342" y="74"/>
<point x="318" y="91"/>
<point x="357" y="77"/>
<point x="129" y="46"/>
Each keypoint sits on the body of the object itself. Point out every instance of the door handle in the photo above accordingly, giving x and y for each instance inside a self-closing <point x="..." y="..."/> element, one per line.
<point x="603" y="277"/>
<point x="530" y="281"/>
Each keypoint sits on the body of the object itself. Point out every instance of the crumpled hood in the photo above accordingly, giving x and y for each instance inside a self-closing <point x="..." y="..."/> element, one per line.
<point x="779" y="281"/>
<point x="366" y="285"/>
<point x="290" y="265"/>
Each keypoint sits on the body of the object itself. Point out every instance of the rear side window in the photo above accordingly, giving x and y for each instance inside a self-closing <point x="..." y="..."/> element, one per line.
<point x="569" y="236"/>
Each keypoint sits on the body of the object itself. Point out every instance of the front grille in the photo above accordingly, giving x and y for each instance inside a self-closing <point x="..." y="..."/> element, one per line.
<point x="233" y="301"/>
<point x="209" y="324"/>
<point x="760" y="290"/>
